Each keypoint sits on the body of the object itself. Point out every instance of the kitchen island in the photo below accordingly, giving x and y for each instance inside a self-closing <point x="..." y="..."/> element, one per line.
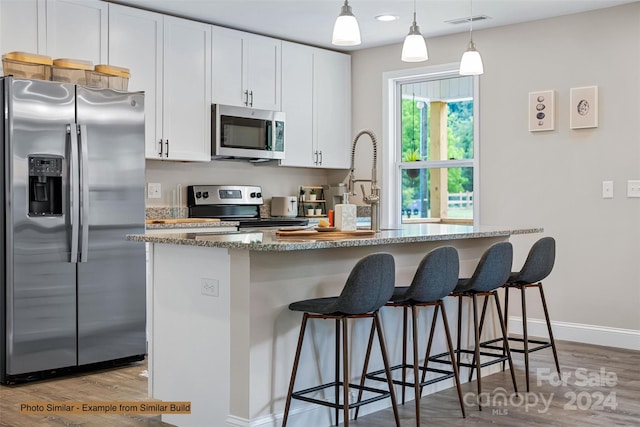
<point x="221" y="334"/>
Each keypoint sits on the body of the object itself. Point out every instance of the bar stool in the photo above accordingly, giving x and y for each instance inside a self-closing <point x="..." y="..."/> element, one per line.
<point x="536" y="267"/>
<point x="490" y="274"/>
<point x="435" y="278"/>
<point x="369" y="286"/>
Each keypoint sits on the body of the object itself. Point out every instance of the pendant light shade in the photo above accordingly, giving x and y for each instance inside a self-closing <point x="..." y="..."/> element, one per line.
<point x="471" y="62"/>
<point x="414" y="48"/>
<point x="346" y="31"/>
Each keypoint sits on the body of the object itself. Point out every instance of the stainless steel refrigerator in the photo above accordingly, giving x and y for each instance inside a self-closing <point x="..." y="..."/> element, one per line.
<point x="73" y="291"/>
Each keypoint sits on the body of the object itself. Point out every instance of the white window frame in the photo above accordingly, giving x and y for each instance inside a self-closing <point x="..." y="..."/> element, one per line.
<point x="391" y="157"/>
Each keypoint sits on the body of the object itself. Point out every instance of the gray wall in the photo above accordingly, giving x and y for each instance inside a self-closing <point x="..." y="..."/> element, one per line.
<point x="552" y="179"/>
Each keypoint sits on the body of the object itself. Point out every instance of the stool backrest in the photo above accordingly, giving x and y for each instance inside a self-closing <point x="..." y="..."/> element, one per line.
<point x="369" y="286"/>
<point x="494" y="268"/>
<point x="539" y="262"/>
<point x="436" y="275"/>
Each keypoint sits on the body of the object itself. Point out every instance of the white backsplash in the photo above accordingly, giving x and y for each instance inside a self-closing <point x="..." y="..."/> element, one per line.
<point x="274" y="180"/>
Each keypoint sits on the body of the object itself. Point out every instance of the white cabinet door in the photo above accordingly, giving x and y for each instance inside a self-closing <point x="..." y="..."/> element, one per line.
<point x="316" y="98"/>
<point x="19" y="24"/>
<point x="227" y="76"/>
<point x="246" y="70"/>
<point x="297" y="103"/>
<point x="186" y="126"/>
<point x="263" y="71"/>
<point x="332" y="108"/>
<point x="135" y="42"/>
<point x="77" y="29"/>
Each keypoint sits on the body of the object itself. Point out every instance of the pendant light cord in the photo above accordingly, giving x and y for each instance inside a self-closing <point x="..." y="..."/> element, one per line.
<point x="470" y="20"/>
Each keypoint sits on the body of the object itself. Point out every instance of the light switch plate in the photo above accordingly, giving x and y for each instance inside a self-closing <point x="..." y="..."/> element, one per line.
<point x="154" y="190"/>
<point x="633" y="188"/>
<point x="607" y="189"/>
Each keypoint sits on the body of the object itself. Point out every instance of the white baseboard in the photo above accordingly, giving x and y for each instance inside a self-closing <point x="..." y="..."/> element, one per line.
<point x="577" y="332"/>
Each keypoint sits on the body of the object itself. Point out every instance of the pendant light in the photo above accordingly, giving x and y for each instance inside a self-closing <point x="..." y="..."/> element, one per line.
<point x="346" y="31"/>
<point x="471" y="62"/>
<point x="414" y="48"/>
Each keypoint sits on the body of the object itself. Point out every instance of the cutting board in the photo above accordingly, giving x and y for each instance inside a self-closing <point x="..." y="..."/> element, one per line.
<point x="326" y="234"/>
<point x="181" y="220"/>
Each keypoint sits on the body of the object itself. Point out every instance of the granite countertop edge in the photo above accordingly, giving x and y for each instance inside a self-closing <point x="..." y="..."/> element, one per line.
<point x="269" y="242"/>
<point x="192" y="225"/>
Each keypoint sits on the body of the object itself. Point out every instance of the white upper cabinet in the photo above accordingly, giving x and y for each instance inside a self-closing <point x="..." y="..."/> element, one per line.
<point x="316" y="98"/>
<point x="246" y="69"/>
<point x="19" y="26"/>
<point x="297" y="103"/>
<point x="186" y="126"/>
<point x="78" y="29"/>
<point x="170" y="60"/>
<point x="135" y="42"/>
<point x="332" y="108"/>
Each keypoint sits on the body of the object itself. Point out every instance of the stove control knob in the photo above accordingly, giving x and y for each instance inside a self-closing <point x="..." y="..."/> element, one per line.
<point x="198" y="194"/>
<point x="205" y="195"/>
<point x="252" y="195"/>
<point x="258" y="195"/>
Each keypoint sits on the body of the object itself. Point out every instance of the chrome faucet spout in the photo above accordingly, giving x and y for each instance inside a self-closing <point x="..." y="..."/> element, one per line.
<point x="372" y="199"/>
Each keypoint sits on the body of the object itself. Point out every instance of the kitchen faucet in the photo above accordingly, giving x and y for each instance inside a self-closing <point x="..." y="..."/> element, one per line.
<point x="372" y="199"/>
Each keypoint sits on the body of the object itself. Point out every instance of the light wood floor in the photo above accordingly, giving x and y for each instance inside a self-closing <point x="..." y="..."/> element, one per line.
<point x="573" y="404"/>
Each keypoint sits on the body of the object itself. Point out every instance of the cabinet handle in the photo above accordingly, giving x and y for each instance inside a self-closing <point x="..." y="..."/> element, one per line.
<point x="251" y="102"/>
<point x="320" y="156"/>
<point x="166" y="144"/>
<point x="246" y="97"/>
<point x="160" y="152"/>
<point x="315" y="157"/>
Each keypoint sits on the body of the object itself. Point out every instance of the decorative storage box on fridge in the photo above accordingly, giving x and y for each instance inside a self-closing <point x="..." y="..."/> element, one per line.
<point x="26" y="65"/>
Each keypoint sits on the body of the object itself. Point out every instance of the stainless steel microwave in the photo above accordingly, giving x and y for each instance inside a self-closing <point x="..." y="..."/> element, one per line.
<point x="240" y="132"/>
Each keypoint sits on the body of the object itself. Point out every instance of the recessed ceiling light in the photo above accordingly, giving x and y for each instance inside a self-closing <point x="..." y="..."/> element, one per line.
<point x="387" y="18"/>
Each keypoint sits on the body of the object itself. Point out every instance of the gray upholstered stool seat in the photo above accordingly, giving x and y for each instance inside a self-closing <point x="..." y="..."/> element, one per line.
<point x="490" y="274"/>
<point x="435" y="278"/>
<point x="536" y="267"/>
<point x="369" y="287"/>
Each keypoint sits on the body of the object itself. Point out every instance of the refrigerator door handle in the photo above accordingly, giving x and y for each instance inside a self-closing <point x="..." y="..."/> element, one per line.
<point x="74" y="194"/>
<point x="84" y="195"/>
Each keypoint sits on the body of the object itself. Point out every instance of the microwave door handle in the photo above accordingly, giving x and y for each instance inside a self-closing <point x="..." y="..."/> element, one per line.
<point x="74" y="193"/>
<point x="84" y="197"/>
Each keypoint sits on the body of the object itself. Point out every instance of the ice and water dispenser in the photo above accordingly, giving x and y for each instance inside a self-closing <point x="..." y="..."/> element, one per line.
<point x="45" y="185"/>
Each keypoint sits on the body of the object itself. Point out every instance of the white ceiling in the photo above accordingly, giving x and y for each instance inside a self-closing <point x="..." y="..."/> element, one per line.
<point x="311" y="21"/>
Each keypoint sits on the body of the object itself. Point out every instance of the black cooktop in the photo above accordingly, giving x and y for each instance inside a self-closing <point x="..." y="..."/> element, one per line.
<point x="271" y="222"/>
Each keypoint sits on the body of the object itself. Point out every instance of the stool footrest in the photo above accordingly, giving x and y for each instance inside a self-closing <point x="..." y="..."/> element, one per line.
<point x="541" y="344"/>
<point x="498" y="358"/>
<point x="445" y="375"/>
<point x="299" y="395"/>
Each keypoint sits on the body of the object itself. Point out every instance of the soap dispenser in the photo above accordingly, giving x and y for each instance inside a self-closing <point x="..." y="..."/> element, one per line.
<point x="345" y="215"/>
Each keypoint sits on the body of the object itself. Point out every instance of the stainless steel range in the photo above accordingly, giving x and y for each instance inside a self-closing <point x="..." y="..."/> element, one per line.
<point x="234" y="203"/>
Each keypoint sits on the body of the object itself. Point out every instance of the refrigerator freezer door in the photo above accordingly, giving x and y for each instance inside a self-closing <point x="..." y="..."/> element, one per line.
<point x="40" y="280"/>
<point x="111" y="271"/>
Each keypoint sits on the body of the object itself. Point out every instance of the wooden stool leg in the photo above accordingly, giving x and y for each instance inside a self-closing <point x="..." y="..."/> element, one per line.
<point x="525" y="334"/>
<point x="345" y="373"/>
<point x="337" y="372"/>
<point x="451" y="354"/>
<point x="430" y="343"/>
<point x="295" y="369"/>
<point x="476" y="347"/>
<point x="404" y="351"/>
<point x="385" y="360"/>
<point x="484" y="312"/>
<point x="505" y="340"/>
<point x="366" y="366"/>
<point x="551" y="339"/>
<point x="416" y="371"/>
<point x="506" y="319"/>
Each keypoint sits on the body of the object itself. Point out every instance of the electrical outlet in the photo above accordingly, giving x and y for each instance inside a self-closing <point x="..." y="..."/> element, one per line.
<point x="633" y="188"/>
<point x="154" y="190"/>
<point x="210" y="287"/>
<point x="607" y="189"/>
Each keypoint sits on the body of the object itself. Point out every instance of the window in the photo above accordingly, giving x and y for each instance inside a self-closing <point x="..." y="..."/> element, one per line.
<point x="433" y="174"/>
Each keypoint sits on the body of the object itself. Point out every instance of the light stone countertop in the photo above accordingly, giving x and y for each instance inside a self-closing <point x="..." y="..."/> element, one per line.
<point x="266" y="240"/>
<point x="151" y="227"/>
